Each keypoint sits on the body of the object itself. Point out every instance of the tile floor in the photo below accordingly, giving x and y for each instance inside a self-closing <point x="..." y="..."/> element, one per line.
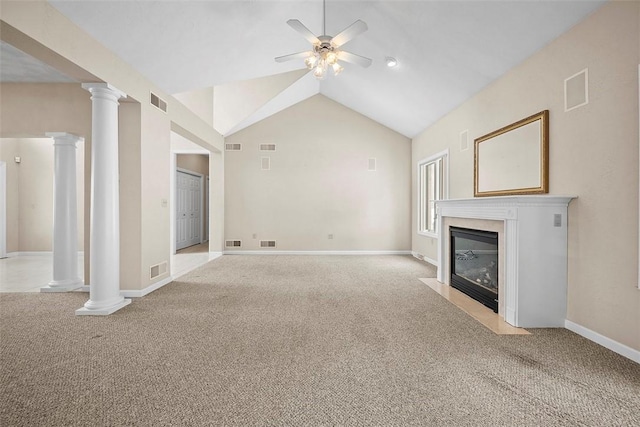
<point x="28" y="273"/>
<point x="473" y="308"/>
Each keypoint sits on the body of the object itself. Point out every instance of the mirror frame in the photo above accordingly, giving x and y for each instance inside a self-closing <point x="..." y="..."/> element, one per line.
<point x="543" y="117"/>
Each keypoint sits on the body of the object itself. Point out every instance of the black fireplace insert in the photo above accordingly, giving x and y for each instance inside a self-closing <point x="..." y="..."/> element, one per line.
<point x="474" y="264"/>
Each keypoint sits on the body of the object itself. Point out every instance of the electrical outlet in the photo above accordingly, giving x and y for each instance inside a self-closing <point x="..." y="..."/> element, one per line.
<point x="330" y="237"/>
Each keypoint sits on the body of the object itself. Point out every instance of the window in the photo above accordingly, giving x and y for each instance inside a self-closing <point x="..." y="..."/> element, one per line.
<point x="432" y="186"/>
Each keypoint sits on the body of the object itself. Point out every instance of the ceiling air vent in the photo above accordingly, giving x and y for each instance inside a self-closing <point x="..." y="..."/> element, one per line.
<point x="233" y="243"/>
<point x="233" y="147"/>
<point x="267" y="147"/>
<point x="267" y="243"/>
<point x="157" y="102"/>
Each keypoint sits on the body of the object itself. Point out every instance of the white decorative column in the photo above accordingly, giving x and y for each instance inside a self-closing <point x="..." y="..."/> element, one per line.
<point x="65" y="216"/>
<point x="104" y="286"/>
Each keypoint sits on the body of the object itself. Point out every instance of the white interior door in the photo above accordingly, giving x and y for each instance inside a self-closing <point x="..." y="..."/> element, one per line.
<point x="188" y="209"/>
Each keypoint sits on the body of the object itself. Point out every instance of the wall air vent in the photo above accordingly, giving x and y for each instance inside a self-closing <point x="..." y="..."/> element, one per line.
<point x="158" y="102"/>
<point x="233" y="147"/>
<point x="372" y="164"/>
<point x="233" y="243"/>
<point x="576" y="90"/>
<point x="266" y="163"/>
<point x="267" y="147"/>
<point x="267" y="243"/>
<point x="157" y="270"/>
<point x="464" y="140"/>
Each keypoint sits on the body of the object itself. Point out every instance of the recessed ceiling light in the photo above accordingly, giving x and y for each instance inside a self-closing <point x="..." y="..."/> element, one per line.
<point x="391" y="62"/>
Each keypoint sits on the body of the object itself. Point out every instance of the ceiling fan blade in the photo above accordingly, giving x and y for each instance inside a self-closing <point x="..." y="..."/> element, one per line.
<point x="354" y="59"/>
<point x="299" y="27"/>
<point x="348" y="33"/>
<point x="299" y="55"/>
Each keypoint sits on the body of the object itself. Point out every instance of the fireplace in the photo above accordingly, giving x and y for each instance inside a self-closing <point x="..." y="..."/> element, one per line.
<point x="474" y="264"/>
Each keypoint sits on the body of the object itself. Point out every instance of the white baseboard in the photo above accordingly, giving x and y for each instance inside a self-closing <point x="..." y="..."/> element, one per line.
<point x="142" y="292"/>
<point x="612" y="345"/>
<point x="425" y="259"/>
<point x="269" y="252"/>
<point x="34" y="253"/>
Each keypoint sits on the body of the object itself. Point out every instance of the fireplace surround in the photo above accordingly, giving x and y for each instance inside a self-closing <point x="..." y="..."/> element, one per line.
<point x="532" y="259"/>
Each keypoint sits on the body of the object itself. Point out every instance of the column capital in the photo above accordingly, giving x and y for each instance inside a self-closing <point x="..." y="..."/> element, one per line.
<point x="64" y="138"/>
<point x="104" y="88"/>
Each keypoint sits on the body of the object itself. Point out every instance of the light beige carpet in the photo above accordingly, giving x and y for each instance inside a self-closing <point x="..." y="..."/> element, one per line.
<point x="296" y="341"/>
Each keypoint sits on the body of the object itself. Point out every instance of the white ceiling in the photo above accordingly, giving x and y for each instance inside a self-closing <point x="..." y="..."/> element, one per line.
<point x="447" y="50"/>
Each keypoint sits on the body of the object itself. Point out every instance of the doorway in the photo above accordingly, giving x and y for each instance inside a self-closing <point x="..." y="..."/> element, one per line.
<point x="188" y="209"/>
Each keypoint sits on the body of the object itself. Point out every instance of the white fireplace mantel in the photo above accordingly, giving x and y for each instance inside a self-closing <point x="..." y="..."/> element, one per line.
<point x="534" y="281"/>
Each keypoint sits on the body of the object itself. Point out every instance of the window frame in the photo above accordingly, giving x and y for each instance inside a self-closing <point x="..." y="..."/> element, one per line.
<point x="441" y="160"/>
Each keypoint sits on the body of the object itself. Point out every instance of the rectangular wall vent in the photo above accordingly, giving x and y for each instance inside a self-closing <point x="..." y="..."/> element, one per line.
<point x="233" y="243"/>
<point x="266" y="163"/>
<point x="233" y="147"/>
<point x="157" y="270"/>
<point x="158" y="102"/>
<point x="372" y="164"/>
<point x="267" y="147"/>
<point x="267" y="243"/>
<point x="464" y="140"/>
<point x="576" y="90"/>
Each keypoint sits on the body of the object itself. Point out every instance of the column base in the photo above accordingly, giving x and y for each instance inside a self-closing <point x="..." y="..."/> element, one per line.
<point x="103" y="311"/>
<point x="62" y="285"/>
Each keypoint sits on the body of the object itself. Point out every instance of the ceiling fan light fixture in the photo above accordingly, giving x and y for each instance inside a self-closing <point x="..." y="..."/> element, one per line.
<point x="320" y="71"/>
<point x="331" y="58"/>
<point x="391" y="62"/>
<point x="325" y="50"/>
<point x="311" y="61"/>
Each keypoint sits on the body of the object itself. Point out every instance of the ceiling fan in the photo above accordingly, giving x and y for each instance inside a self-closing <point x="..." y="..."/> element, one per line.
<point x="325" y="50"/>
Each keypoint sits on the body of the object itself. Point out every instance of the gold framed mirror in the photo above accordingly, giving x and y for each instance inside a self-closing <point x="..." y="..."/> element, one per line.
<point x="514" y="159"/>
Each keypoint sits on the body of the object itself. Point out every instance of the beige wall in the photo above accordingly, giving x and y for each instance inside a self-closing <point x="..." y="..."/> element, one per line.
<point x="319" y="183"/>
<point x="30" y="191"/>
<point x="155" y="192"/>
<point x="130" y="158"/>
<point x="200" y="102"/>
<point x="198" y="163"/>
<point x="593" y="155"/>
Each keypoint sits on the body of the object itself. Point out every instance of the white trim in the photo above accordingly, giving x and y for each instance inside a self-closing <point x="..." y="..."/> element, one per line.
<point x="268" y="252"/>
<point x="425" y="259"/>
<point x="3" y="209"/>
<point x="612" y="345"/>
<point x="201" y="177"/>
<point x="142" y="292"/>
<point x="172" y="203"/>
<point x="444" y="154"/>
<point x="428" y="234"/>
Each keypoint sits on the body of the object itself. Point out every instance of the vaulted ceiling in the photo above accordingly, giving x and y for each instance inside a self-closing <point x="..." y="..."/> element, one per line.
<point x="446" y="50"/>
